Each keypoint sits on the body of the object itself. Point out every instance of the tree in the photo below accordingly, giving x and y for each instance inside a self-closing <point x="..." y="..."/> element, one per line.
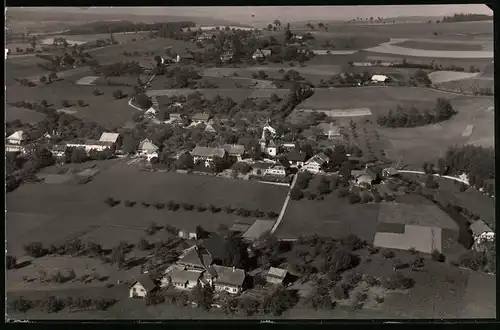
<point x="130" y="144"/>
<point x="203" y="296"/>
<point x="185" y="162"/>
<point x="65" y="103"/>
<point x="52" y="76"/>
<point x="43" y="79"/>
<point x="296" y="194"/>
<point x="35" y="250"/>
<point x="77" y="155"/>
<point x="397" y="281"/>
<point x="21" y="305"/>
<point x="236" y="252"/>
<point x="10" y="261"/>
<point x="118" y="255"/>
<point x="97" y="92"/>
<point x="342" y="260"/>
<point x="201" y="233"/>
<point x="143" y="101"/>
<point x="118" y="94"/>
<point x="81" y="103"/>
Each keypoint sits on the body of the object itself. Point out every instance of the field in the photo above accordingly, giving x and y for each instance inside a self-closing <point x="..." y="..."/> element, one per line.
<point x="441" y="45"/>
<point x="237" y="95"/>
<point x="397" y="50"/>
<point x="103" y="109"/>
<point x="427" y="143"/>
<point x="120" y="37"/>
<point x="470" y="85"/>
<point x="332" y="217"/>
<point x="438" y="77"/>
<point x="24" y="115"/>
<point x="378" y="99"/>
<point x="58" y="211"/>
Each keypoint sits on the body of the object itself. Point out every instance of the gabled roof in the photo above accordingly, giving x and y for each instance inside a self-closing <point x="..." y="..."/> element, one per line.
<point x="208" y="152"/>
<point x="210" y="129"/>
<point x="176" y="116"/>
<point x="147" y="144"/>
<point x="296" y="156"/>
<point x="263" y="52"/>
<point x="478" y="227"/>
<point x="193" y="257"/>
<point x="234" y="149"/>
<point x="201" y="116"/>
<point x="109" y="137"/>
<point x="227" y="275"/>
<point x="257" y="229"/>
<point x="98" y="143"/>
<point x="182" y="276"/>
<point x="215" y="246"/>
<point x="146" y="282"/>
<point x="261" y="165"/>
<point x="277" y="273"/>
<point x="320" y="158"/>
<point x="18" y="135"/>
<point x="239" y="227"/>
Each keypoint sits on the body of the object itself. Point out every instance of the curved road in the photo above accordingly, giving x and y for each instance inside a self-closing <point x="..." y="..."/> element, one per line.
<point x="465" y="181"/>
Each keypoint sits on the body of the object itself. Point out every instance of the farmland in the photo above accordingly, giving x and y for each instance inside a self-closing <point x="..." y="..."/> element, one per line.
<point x="440" y="45"/>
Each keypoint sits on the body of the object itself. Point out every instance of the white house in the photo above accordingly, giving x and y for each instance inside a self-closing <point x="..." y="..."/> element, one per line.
<point x="200" y="118"/>
<point x="481" y="233"/>
<point x="376" y="78"/>
<point x="229" y="279"/>
<point x="261" y="53"/>
<point x="315" y="163"/>
<point x="186" y="234"/>
<point x="15" y="142"/>
<point x="142" y="287"/>
<point x="148" y="149"/>
<point x="97" y="145"/>
<point x="182" y="278"/>
<point x="207" y="154"/>
<point x="59" y="150"/>
<point x="276" y="170"/>
<point x="276" y="275"/>
<point x="151" y="112"/>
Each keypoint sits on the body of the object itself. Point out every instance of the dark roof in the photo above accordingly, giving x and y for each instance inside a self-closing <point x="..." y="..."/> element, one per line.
<point x="239" y="227"/>
<point x="208" y="152"/>
<point x="194" y="258"/>
<point x="261" y="165"/>
<point x="296" y="156"/>
<point x="201" y="116"/>
<point x="228" y="275"/>
<point x="234" y="149"/>
<point x="146" y="282"/>
<point x="98" y="143"/>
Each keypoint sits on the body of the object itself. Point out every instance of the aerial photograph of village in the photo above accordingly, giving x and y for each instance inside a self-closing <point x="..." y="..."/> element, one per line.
<point x="252" y="163"/>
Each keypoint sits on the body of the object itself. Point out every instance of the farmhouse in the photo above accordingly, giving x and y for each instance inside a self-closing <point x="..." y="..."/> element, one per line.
<point x="176" y="118"/>
<point x="59" y="150"/>
<point x="259" y="168"/>
<point x="195" y="258"/>
<point x="227" y="56"/>
<point x="424" y="227"/>
<point x="207" y="155"/>
<point x="16" y="141"/>
<point x="276" y="170"/>
<point x="258" y="229"/>
<point x="276" y="275"/>
<point x="316" y="163"/>
<point x="235" y="150"/>
<point x="296" y="158"/>
<point x="481" y="233"/>
<point x="229" y="279"/>
<point x="148" y="149"/>
<point x="181" y="278"/>
<point x="200" y="118"/>
<point x="142" y="287"/>
<point x="378" y="78"/>
<point x="363" y="178"/>
<point x="113" y="138"/>
<point x="209" y="128"/>
<point x="261" y="53"/>
<point x="97" y="145"/>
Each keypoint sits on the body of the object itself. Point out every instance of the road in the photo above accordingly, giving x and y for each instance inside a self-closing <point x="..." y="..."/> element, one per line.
<point x="441" y="176"/>
<point x="283" y="209"/>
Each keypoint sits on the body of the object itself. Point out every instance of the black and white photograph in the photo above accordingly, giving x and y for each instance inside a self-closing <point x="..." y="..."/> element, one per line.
<point x="250" y="163"/>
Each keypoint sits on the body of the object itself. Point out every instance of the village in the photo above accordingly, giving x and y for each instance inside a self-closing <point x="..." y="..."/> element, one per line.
<point x="183" y="171"/>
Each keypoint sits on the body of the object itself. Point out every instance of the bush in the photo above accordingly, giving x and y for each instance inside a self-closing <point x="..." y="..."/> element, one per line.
<point x="473" y="260"/>
<point x="272" y="215"/>
<point x="437" y="256"/>
<point x="144" y="244"/>
<point x="373" y="250"/>
<point x="352" y="278"/>
<point x="21" y="305"/>
<point x="397" y="281"/>
<point x="214" y="209"/>
<point x="354" y="198"/>
<point x="379" y="299"/>
<point x="111" y="202"/>
<point x="201" y="208"/>
<point x="129" y="203"/>
<point x="10" y="261"/>
<point x="187" y="206"/>
<point x="296" y="194"/>
<point x="342" y="260"/>
<point x="341" y="291"/>
<point x="145" y="204"/>
<point x="371" y="280"/>
<point x="228" y="209"/>
<point x="159" y="206"/>
<point x="353" y="242"/>
<point x="35" y="250"/>
<point x="388" y="254"/>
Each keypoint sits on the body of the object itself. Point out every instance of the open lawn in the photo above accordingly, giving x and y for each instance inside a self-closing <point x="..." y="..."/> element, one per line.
<point x="427" y="143"/>
<point x="237" y="95"/>
<point x="438" y="77"/>
<point x="378" y="99"/>
<point x="24" y="115"/>
<point x="103" y="109"/>
<point x="479" y="300"/>
<point x="470" y="85"/>
<point x="22" y="67"/>
<point x="332" y="217"/>
<point x="398" y="50"/>
<point x="120" y="37"/>
<point x="441" y="45"/>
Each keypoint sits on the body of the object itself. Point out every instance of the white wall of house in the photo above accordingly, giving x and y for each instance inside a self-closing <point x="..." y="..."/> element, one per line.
<point x="137" y="290"/>
<point x="272" y="171"/>
<point x="89" y="148"/>
<point x="312" y="167"/>
<point x="272" y="151"/>
<point x="14" y="148"/>
<point x="14" y="141"/>
<point x="187" y="235"/>
<point x="227" y="288"/>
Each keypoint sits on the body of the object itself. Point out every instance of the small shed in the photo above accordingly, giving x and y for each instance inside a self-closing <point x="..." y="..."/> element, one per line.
<point x="379" y="78"/>
<point x="276" y="275"/>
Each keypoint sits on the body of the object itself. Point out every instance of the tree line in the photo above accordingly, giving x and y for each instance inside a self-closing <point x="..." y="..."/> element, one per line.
<point x="467" y="18"/>
<point x="106" y="27"/>
<point x="414" y="117"/>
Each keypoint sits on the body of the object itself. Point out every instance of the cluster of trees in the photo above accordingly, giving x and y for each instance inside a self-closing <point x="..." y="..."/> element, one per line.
<point x="54" y="304"/>
<point x="23" y="168"/>
<point x="476" y="161"/>
<point x="106" y="27"/>
<point x="118" y="69"/>
<point x="346" y="80"/>
<point x="420" y="78"/>
<point x="178" y="77"/>
<point x="174" y="206"/>
<point x="467" y="18"/>
<point x="274" y="302"/>
<point x="413" y="117"/>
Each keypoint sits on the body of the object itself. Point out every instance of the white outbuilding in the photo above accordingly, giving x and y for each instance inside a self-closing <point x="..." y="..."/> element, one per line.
<point x="379" y="78"/>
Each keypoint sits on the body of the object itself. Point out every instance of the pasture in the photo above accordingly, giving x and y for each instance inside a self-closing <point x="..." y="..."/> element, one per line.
<point x="333" y="217"/>
<point x="411" y="52"/>
<point x="24" y="115"/>
<point x="438" y="77"/>
<point x="441" y="45"/>
<point x="59" y="211"/>
<point x="379" y="99"/>
<point x="468" y="85"/>
<point x="427" y="143"/>
<point x="103" y="109"/>
<point x="237" y="95"/>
